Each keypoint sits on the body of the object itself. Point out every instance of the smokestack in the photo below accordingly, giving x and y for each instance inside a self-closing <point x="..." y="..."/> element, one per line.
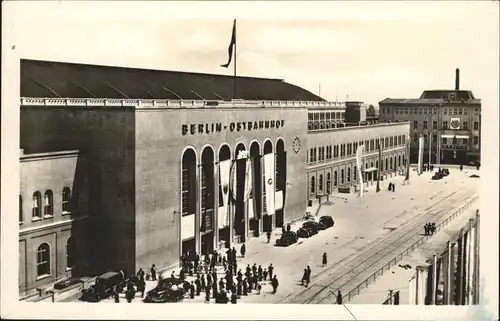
<point x="457" y="79"/>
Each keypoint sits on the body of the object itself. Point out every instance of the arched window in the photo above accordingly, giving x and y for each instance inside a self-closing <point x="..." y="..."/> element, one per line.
<point x="386" y="164"/>
<point x="320" y="187"/>
<point x="335" y="179"/>
<point x="399" y="160"/>
<point x="70" y="253"/>
<point x="66" y="196"/>
<point x="355" y="174"/>
<point x="342" y="176"/>
<point x="43" y="260"/>
<point x="20" y="209"/>
<point x="328" y="183"/>
<point x="188" y="183"/>
<point x="48" y="203"/>
<point x="348" y="175"/>
<point x="35" y="208"/>
<point x="313" y="185"/>
<point x="390" y="163"/>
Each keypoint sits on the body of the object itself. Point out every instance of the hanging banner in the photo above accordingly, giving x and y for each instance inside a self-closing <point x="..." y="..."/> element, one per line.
<point x="224" y="170"/>
<point x="269" y="182"/>
<point x="279" y="200"/>
<point x="359" y="163"/>
<point x="420" y="155"/>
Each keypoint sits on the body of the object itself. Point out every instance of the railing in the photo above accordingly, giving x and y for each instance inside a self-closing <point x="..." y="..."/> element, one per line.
<point x="169" y="103"/>
<point x="399" y="257"/>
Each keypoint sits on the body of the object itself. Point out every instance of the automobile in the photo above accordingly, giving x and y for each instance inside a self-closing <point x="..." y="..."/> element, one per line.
<point x="326" y="221"/>
<point x="304" y="233"/>
<point x="445" y="171"/>
<point x="287" y="238"/>
<point x="436" y="176"/>
<point x="64" y="282"/>
<point x="104" y="287"/>
<point x="474" y="176"/>
<point x="314" y="226"/>
<point x="167" y="290"/>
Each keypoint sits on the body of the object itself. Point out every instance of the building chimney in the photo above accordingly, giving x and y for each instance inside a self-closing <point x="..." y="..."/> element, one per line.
<point x="457" y="79"/>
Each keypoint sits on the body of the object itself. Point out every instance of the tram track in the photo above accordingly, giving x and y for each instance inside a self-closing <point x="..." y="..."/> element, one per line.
<point x="372" y="253"/>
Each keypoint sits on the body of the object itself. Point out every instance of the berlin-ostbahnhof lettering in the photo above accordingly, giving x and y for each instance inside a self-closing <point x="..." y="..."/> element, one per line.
<point x="193" y="129"/>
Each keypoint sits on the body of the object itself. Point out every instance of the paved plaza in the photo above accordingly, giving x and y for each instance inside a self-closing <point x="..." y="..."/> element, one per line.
<point x="366" y="235"/>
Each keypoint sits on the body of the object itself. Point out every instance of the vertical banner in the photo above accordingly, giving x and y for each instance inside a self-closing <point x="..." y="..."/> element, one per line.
<point x="269" y="182"/>
<point x="224" y="170"/>
<point x="379" y="164"/>
<point x="420" y="155"/>
<point x="359" y="163"/>
<point x="407" y="178"/>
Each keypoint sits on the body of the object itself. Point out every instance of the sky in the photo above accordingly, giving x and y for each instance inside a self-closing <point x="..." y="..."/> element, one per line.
<point x="360" y="51"/>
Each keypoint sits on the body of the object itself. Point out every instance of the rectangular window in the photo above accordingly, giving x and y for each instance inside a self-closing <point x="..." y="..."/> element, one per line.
<point x="420" y="111"/>
<point x="311" y="158"/>
<point x="460" y="111"/>
<point x="444" y="141"/>
<point x="466" y="111"/>
<point x="445" y="125"/>
<point x="415" y="124"/>
<point x="425" y="111"/>
<point x="445" y="111"/>
<point x="464" y="141"/>
<point x="425" y="124"/>
<point x="434" y="139"/>
<point x="455" y="111"/>
<point x="434" y="124"/>
<point x="465" y="125"/>
<point x="476" y="125"/>
<point x="476" y="140"/>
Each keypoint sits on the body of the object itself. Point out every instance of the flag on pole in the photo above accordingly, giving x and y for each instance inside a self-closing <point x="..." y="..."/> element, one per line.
<point x="359" y="163"/>
<point x="231" y="46"/>
<point x="407" y="178"/>
<point x="420" y="163"/>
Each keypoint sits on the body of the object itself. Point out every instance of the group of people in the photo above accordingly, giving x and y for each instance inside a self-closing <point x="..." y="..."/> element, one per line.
<point x="392" y="187"/>
<point x="306" y="277"/>
<point x="136" y="283"/>
<point x="430" y="228"/>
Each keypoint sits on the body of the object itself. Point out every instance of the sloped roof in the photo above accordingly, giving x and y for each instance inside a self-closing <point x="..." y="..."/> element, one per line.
<point x="70" y="80"/>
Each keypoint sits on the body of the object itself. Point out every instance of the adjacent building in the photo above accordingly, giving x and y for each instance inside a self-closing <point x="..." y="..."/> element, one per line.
<point x="449" y="121"/>
<point x="170" y="163"/>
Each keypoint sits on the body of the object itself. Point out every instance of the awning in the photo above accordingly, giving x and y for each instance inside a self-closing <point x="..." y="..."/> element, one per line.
<point x="371" y="169"/>
<point x="455" y="136"/>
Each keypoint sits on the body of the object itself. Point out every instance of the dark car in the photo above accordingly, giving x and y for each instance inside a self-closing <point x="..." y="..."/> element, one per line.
<point x="303" y="233"/>
<point x="445" y="171"/>
<point x="437" y="175"/>
<point x="104" y="287"/>
<point x="287" y="238"/>
<point x="326" y="221"/>
<point x="313" y="226"/>
<point x="167" y="290"/>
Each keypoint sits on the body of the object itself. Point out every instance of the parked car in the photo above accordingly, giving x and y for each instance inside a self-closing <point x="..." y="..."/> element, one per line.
<point x="314" y="226"/>
<point x="437" y="176"/>
<point x="104" y="286"/>
<point x="304" y="233"/>
<point x="445" y="171"/>
<point x="287" y="238"/>
<point x="167" y="290"/>
<point x="326" y="221"/>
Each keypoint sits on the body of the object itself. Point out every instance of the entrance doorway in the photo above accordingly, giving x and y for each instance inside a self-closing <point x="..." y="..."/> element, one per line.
<point x="268" y="223"/>
<point x="207" y="243"/>
<point x="224" y="236"/>
<point x="188" y="246"/>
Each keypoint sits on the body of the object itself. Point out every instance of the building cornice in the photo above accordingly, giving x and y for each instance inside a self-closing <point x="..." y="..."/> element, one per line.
<point x="169" y="104"/>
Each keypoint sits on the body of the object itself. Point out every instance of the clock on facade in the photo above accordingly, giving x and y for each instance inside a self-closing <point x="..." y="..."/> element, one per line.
<point x="296" y="145"/>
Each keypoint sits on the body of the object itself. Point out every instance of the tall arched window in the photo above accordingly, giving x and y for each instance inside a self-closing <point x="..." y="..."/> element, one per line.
<point x="328" y="183"/>
<point x="342" y="176"/>
<point x="386" y="164"/>
<point x="395" y="162"/>
<point x="390" y="163"/>
<point x="335" y="179"/>
<point x="70" y="253"/>
<point x="399" y="160"/>
<point x="48" y="203"/>
<point x="348" y="175"/>
<point x="20" y="209"/>
<point x="36" y="211"/>
<point x="320" y="185"/>
<point x="43" y="260"/>
<point x="188" y="184"/>
<point x="355" y="174"/>
<point x="313" y="185"/>
<point x="66" y="196"/>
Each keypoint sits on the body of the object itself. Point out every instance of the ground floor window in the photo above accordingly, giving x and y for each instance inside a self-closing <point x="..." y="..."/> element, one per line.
<point x="43" y="260"/>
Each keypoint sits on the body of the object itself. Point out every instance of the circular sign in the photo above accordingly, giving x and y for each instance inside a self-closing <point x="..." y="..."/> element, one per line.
<point x="270" y="181"/>
<point x="296" y="145"/>
<point x="455" y="123"/>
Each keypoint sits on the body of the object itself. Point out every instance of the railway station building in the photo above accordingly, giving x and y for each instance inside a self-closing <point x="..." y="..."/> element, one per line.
<point x="167" y="162"/>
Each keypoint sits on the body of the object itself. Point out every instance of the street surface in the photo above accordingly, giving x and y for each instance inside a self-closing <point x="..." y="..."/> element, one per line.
<point x="366" y="236"/>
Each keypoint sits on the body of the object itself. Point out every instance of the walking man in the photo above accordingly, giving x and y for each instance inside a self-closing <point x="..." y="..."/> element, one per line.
<point x="243" y="250"/>
<point x="339" y="297"/>
<point x="268" y="237"/>
<point x="324" y="259"/>
<point x="153" y="273"/>
<point x="274" y="284"/>
<point x="270" y="269"/>
<point x="304" y="277"/>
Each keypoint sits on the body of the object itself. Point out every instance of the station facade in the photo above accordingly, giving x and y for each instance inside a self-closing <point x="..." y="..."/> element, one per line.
<point x="172" y="166"/>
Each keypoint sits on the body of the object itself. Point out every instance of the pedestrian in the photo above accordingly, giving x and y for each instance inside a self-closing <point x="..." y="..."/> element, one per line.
<point x="324" y="259"/>
<point x="141" y="286"/>
<point x="264" y="275"/>
<point x="214" y="289"/>
<point x="339" y="297"/>
<point x="234" y="298"/>
<point x="268" y="234"/>
<point x="182" y="274"/>
<point x="259" y="288"/>
<point x="234" y="252"/>
<point x="221" y="284"/>
<point x="239" y="288"/>
<point x="203" y="282"/>
<point x="130" y="293"/>
<point x="426" y="229"/>
<point x="390" y="186"/>
<point x="433" y="228"/>
<point x="172" y="275"/>
<point x="116" y="296"/>
<point x="304" y="277"/>
<point x="243" y="250"/>
<point x="274" y="284"/>
<point x="207" y="294"/>
<point x="288" y="228"/>
<point x="259" y="273"/>
<point x="461" y="167"/>
<point x="153" y="272"/>
<point x="214" y="276"/>
<point x="308" y="278"/>
<point x="191" y="290"/>
<point x="248" y="269"/>
<point x="140" y="273"/>
<point x="254" y="269"/>
<point x="270" y="269"/>
<point x="393" y="187"/>
<point x="245" y="287"/>
<point x="197" y="282"/>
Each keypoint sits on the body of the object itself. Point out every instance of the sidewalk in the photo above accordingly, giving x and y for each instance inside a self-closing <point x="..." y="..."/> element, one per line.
<point x="397" y="278"/>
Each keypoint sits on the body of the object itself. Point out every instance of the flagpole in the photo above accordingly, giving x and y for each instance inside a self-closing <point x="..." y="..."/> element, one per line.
<point x="235" y="51"/>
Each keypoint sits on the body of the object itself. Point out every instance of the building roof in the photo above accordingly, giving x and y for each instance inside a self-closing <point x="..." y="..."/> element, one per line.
<point x="70" y="80"/>
<point x="437" y="97"/>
